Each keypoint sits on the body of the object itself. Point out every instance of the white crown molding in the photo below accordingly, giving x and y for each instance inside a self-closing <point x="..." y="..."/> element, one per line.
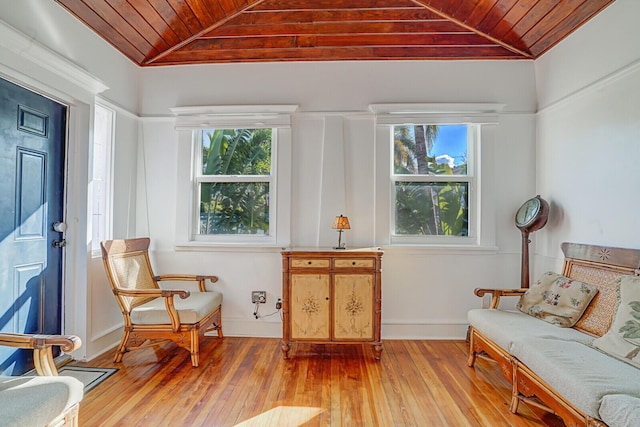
<point x="436" y="108"/>
<point x="234" y="110"/>
<point x="31" y="50"/>
<point x="203" y="117"/>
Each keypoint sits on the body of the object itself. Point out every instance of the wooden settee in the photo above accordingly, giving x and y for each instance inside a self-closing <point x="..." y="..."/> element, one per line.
<point x="558" y="369"/>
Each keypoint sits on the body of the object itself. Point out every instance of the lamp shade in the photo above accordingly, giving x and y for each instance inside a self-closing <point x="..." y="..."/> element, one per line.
<point x="341" y="223"/>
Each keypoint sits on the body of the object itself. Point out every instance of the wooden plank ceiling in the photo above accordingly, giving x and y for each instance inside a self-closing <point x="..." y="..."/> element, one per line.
<point x="170" y="32"/>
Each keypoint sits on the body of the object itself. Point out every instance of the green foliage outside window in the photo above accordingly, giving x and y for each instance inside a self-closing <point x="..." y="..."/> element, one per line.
<point x="230" y="204"/>
<point x="423" y="207"/>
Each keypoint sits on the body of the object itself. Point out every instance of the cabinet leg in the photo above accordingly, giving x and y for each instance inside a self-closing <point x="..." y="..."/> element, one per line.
<point x="285" y="350"/>
<point x="377" y="350"/>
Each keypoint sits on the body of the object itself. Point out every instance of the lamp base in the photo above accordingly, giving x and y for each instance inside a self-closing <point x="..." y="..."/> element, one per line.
<point x="340" y="247"/>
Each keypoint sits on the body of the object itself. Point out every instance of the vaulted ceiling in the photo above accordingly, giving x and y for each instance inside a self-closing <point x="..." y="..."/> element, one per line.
<point x="170" y="32"/>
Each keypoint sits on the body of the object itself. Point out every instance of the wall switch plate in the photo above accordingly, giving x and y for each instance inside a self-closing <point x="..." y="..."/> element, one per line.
<point x="259" y="297"/>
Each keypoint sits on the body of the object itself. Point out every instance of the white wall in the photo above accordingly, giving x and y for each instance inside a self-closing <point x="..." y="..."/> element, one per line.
<point x="588" y="135"/>
<point x="426" y="292"/>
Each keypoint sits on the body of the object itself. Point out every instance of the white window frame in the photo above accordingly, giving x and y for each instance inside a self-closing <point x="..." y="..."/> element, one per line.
<point x="104" y="208"/>
<point x="481" y="120"/>
<point x="470" y="178"/>
<point x="199" y="179"/>
<point x="191" y="121"/>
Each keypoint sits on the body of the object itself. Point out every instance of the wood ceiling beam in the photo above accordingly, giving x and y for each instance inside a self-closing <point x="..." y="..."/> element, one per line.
<point x="444" y="15"/>
<point x="372" y="28"/>
<point x="344" y="15"/>
<point x="338" y="54"/>
<point x="337" y="40"/>
<point x="300" y="5"/>
<point x="196" y="36"/>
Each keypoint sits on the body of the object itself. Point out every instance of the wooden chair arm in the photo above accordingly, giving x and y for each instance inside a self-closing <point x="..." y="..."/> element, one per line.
<point x="497" y="293"/>
<point x="42" y="348"/>
<point x="67" y="343"/>
<point x="185" y="277"/>
<point x="166" y="293"/>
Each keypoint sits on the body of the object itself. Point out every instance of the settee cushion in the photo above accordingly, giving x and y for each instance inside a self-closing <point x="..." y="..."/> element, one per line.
<point x="503" y="327"/>
<point x="623" y="338"/>
<point x="191" y="309"/>
<point x="557" y="299"/>
<point x="619" y="410"/>
<point x="36" y="401"/>
<point x="580" y="373"/>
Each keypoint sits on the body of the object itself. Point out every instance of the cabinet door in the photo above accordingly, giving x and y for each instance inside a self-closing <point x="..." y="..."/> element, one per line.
<point x="353" y="307"/>
<point x="309" y="302"/>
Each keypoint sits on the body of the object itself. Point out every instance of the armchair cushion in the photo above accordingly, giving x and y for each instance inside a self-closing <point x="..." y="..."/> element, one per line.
<point x="191" y="309"/>
<point x="623" y="338"/>
<point x="576" y="372"/>
<point x="504" y="327"/>
<point x="35" y="401"/>
<point x="618" y="410"/>
<point x="557" y="299"/>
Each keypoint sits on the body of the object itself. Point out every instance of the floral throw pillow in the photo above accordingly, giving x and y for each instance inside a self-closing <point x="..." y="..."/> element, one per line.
<point x="623" y="338"/>
<point x="557" y="299"/>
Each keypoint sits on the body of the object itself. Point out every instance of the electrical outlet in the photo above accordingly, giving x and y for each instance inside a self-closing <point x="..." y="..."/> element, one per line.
<point x="259" y="297"/>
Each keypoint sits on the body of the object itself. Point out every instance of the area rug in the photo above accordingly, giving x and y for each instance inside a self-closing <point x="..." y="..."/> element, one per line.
<point x="90" y="377"/>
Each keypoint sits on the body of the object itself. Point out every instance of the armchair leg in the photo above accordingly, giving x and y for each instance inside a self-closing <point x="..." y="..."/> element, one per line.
<point x="195" y="348"/>
<point x="515" y="394"/>
<point x="472" y="353"/>
<point x="122" y="348"/>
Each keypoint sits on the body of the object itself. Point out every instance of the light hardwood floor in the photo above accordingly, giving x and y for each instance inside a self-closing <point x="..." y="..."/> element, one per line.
<point x="245" y="382"/>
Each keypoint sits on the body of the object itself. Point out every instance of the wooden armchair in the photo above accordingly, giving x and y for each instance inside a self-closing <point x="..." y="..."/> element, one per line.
<point x="44" y="400"/>
<point x="154" y="316"/>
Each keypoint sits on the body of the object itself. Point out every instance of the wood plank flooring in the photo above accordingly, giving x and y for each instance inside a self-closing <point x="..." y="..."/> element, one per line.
<point x="245" y="382"/>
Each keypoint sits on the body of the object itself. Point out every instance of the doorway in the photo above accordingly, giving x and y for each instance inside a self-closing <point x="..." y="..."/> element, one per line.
<point x="32" y="159"/>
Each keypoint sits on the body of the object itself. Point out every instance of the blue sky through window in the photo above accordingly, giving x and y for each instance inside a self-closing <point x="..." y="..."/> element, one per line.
<point x="452" y="141"/>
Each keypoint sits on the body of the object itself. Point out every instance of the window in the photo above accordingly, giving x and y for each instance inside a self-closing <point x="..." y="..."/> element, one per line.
<point x="100" y="188"/>
<point x="234" y="176"/>
<point x="429" y="174"/>
<point x="432" y="179"/>
<point x="234" y="181"/>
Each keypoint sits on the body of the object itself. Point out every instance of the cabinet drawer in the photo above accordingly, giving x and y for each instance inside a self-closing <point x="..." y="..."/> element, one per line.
<point x="309" y="263"/>
<point x="354" y="263"/>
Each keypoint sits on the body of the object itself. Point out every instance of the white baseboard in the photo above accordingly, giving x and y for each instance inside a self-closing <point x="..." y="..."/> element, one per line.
<point x="392" y="330"/>
<point x="439" y="330"/>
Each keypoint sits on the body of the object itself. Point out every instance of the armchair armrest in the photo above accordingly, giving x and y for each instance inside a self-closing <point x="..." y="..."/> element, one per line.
<point x="191" y="277"/>
<point x="497" y="293"/>
<point x="165" y="293"/>
<point x="42" y="348"/>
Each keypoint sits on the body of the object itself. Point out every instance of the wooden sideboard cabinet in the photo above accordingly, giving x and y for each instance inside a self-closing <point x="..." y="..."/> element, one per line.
<point x="331" y="296"/>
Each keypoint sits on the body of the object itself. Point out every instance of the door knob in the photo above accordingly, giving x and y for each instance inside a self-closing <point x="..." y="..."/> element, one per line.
<point x="59" y="226"/>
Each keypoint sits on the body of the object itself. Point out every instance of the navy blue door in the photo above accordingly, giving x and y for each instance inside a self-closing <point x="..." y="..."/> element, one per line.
<point x="32" y="140"/>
